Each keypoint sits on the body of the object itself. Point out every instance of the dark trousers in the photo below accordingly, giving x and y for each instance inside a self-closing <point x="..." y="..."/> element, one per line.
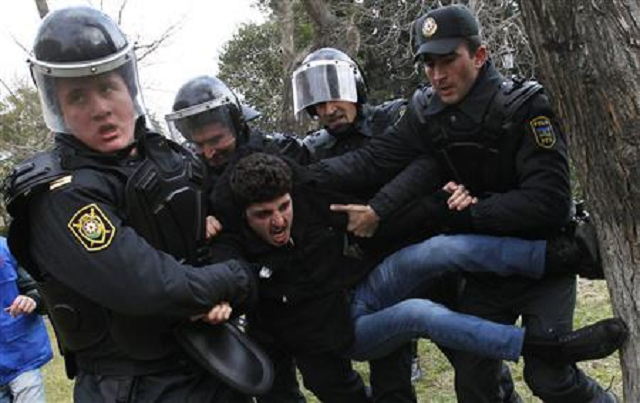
<point x="331" y="378"/>
<point x="390" y="377"/>
<point x="546" y="307"/>
<point x="189" y="385"/>
<point x="285" y="387"/>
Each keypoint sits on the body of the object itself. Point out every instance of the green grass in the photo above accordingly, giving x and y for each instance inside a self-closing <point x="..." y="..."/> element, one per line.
<point x="436" y="386"/>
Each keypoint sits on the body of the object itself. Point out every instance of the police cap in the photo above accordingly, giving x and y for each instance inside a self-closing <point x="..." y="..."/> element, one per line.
<point x="440" y="31"/>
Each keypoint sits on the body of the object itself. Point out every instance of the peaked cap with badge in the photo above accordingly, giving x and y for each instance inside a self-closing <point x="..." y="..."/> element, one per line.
<point x="440" y="31"/>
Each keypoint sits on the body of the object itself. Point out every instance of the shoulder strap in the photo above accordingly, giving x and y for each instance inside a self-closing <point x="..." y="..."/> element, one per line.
<point x="515" y="92"/>
<point x="420" y="101"/>
<point x="42" y="169"/>
<point x="508" y="100"/>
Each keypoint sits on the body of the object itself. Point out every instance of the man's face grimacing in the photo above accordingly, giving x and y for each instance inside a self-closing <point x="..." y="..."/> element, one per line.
<point x="272" y="220"/>
<point x="334" y="114"/>
<point x="453" y="75"/>
<point x="98" y="110"/>
<point x="215" y="142"/>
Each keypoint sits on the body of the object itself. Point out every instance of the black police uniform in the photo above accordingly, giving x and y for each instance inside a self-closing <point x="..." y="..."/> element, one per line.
<point x="257" y="140"/>
<point x="80" y="227"/>
<point x="390" y="376"/>
<point x="502" y="143"/>
<point x="304" y="308"/>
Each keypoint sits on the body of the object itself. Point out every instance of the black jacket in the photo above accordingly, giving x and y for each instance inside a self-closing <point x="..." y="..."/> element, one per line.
<point x="78" y="240"/>
<point x="303" y="286"/>
<point x="523" y="186"/>
<point x="257" y="140"/>
<point x="370" y="121"/>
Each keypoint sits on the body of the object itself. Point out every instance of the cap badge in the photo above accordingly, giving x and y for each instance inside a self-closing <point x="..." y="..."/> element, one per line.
<point x="429" y="27"/>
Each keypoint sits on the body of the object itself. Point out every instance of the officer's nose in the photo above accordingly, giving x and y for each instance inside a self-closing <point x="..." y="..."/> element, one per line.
<point x="100" y="106"/>
<point x="437" y="73"/>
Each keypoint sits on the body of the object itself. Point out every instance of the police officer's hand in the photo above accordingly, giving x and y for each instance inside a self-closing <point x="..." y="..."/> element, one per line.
<point x="213" y="226"/>
<point x="218" y="314"/>
<point x="460" y="198"/>
<point x="363" y="220"/>
<point x="22" y="305"/>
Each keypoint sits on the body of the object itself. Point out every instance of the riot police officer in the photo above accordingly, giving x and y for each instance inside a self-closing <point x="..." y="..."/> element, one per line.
<point x="330" y="86"/>
<point x="478" y="132"/>
<point x="212" y="120"/>
<point x="109" y="224"/>
<point x="209" y="117"/>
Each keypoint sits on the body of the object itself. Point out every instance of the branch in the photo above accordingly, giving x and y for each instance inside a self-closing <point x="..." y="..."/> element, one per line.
<point x="121" y="11"/>
<point x="7" y="88"/>
<point x="320" y="13"/>
<point x="145" y="50"/>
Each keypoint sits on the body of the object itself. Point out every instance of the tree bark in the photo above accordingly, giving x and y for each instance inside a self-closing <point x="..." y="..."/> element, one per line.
<point x="589" y="56"/>
<point x="284" y="14"/>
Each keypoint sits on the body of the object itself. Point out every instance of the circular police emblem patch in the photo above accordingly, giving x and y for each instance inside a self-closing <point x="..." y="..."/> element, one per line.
<point x="92" y="228"/>
<point x="429" y="27"/>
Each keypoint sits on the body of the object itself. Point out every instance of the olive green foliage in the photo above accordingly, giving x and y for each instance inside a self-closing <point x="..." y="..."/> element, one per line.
<point x="252" y="61"/>
<point x="250" y="64"/>
<point x="22" y="129"/>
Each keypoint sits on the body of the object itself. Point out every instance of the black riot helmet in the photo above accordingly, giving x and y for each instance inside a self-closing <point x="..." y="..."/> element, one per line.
<point x="79" y="42"/>
<point x="205" y="100"/>
<point x="327" y="74"/>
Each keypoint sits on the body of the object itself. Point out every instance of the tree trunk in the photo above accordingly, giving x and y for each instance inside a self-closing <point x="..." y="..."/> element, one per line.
<point x="284" y="14"/>
<point x="43" y="7"/>
<point x="589" y="56"/>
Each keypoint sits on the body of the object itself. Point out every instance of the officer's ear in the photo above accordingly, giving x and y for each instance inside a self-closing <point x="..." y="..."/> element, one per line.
<point x="481" y="56"/>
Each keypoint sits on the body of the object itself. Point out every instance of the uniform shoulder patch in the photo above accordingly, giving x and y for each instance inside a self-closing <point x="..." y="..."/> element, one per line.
<point x="543" y="131"/>
<point x="92" y="228"/>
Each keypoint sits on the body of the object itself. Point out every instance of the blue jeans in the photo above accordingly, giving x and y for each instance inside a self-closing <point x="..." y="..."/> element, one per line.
<point x="386" y="316"/>
<point x="28" y="387"/>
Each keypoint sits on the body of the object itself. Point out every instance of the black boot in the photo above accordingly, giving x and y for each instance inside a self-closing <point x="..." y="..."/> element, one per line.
<point x="575" y="252"/>
<point x="588" y="343"/>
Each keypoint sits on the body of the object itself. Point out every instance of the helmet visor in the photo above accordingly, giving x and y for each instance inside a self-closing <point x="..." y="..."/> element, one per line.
<point x="47" y="75"/>
<point x="184" y="122"/>
<point x="323" y="81"/>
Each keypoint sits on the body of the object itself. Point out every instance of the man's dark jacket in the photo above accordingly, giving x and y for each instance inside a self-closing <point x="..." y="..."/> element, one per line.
<point x="303" y="286"/>
<point x="523" y="187"/>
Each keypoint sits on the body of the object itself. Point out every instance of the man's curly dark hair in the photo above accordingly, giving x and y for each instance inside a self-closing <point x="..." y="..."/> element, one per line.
<point x="260" y="178"/>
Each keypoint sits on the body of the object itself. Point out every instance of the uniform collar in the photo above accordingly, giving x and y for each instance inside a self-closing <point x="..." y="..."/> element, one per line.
<point x="475" y="104"/>
<point x="79" y="148"/>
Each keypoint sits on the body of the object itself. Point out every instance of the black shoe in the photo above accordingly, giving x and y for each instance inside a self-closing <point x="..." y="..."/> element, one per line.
<point x="588" y="343"/>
